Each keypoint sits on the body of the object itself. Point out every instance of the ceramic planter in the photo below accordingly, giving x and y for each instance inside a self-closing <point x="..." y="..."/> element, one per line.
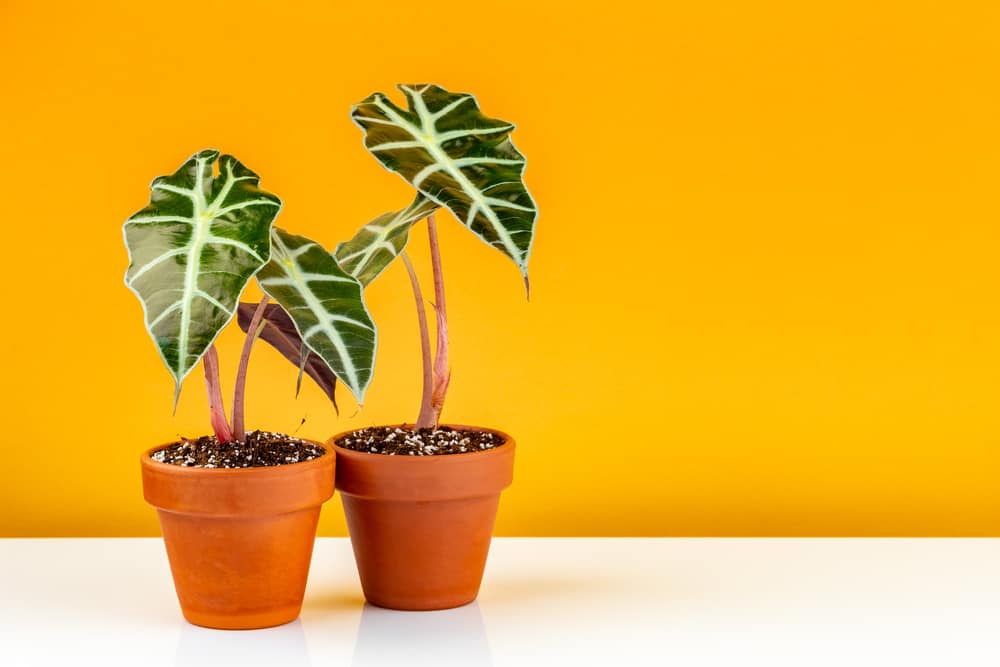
<point x="421" y="525"/>
<point x="239" y="540"/>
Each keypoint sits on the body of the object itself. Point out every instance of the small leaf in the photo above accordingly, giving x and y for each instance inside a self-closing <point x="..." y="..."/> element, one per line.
<point x="458" y="158"/>
<point x="280" y="333"/>
<point x="193" y="250"/>
<point x="379" y="242"/>
<point x="325" y="304"/>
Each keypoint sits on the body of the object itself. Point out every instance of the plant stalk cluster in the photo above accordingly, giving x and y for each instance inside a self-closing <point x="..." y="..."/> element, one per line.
<point x="224" y="431"/>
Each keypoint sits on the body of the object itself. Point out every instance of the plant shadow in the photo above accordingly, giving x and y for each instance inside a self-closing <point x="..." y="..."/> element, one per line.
<point x="523" y="589"/>
<point x="334" y="600"/>
<point x="447" y="638"/>
<point x="283" y="645"/>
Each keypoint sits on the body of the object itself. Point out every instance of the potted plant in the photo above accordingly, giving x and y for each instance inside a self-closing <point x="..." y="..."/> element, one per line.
<point x="421" y="499"/>
<point x="239" y="510"/>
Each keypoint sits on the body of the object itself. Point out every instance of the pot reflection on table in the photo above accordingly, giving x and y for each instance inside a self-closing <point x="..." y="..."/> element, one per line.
<point x="284" y="645"/>
<point x="452" y="637"/>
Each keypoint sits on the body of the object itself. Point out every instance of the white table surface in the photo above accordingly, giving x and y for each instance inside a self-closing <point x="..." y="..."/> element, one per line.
<point x="553" y="602"/>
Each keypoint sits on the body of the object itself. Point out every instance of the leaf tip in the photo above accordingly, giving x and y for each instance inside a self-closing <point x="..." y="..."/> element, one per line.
<point x="333" y="398"/>
<point x="206" y="154"/>
<point x="303" y="362"/>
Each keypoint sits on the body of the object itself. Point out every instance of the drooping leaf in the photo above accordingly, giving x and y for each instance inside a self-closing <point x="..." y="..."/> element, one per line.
<point x="192" y="251"/>
<point x="380" y="241"/>
<point x="326" y="306"/>
<point x="279" y="331"/>
<point x="458" y="158"/>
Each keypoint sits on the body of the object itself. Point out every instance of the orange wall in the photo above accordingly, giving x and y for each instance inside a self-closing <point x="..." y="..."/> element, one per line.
<point x="765" y="282"/>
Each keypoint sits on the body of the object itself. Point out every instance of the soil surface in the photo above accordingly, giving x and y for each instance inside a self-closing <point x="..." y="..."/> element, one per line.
<point x="424" y="442"/>
<point x="261" y="449"/>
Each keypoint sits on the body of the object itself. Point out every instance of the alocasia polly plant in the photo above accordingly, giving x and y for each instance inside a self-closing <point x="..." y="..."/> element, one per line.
<point x="464" y="161"/>
<point x="458" y="159"/>
<point x="207" y="231"/>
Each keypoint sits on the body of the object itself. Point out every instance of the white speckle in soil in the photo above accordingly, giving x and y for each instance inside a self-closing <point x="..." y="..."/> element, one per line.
<point x="425" y="442"/>
<point x="261" y="449"/>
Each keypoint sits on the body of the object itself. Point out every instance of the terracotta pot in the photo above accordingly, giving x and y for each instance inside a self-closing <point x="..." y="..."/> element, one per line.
<point x="239" y="540"/>
<point x="421" y="525"/>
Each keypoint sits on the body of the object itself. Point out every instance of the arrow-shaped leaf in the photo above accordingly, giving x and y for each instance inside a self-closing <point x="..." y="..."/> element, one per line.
<point x="279" y="331"/>
<point x="326" y="305"/>
<point x="192" y="251"/>
<point x="380" y="241"/>
<point x="458" y="158"/>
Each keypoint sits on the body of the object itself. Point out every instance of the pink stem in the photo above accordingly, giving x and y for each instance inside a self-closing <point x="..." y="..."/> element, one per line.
<point x="442" y="374"/>
<point x="215" y="407"/>
<point x="426" y="417"/>
<point x="239" y="391"/>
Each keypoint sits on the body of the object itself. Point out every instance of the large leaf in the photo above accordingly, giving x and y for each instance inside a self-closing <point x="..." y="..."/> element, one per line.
<point x="279" y="331"/>
<point x="326" y="305"/>
<point x="192" y="251"/>
<point x="458" y="158"/>
<point x="380" y="241"/>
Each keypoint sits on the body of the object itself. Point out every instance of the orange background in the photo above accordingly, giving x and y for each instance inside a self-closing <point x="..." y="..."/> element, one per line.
<point x="765" y="281"/>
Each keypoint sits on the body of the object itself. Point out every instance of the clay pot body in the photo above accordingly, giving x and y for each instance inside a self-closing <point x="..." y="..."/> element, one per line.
<point x="421" y="525"/>
<point x="239" y="540"/>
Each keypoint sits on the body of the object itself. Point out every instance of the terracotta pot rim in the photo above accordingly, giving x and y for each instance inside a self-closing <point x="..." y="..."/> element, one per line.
<point x="168" y="468"/>
<point x="508" y="440"/>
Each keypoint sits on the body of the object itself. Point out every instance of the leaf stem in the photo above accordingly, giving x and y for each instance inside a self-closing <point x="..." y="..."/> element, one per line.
<point x="216" y="409"/>
<point x="239" y="391"/>
<point x="442" y="374"/>
<point x="426" y="418"/>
